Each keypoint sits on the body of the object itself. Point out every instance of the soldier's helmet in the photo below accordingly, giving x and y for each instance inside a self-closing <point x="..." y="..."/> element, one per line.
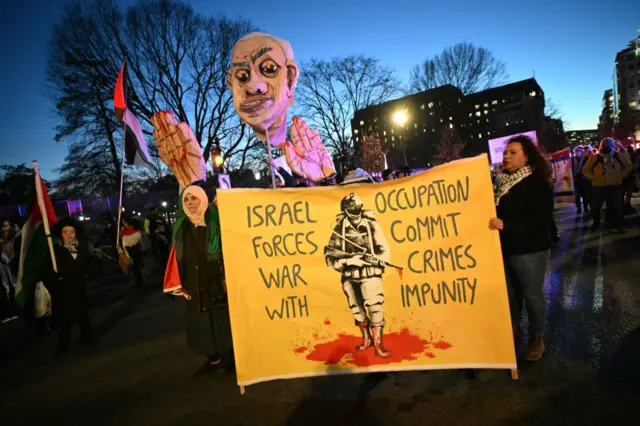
<point x="351" y="205"/>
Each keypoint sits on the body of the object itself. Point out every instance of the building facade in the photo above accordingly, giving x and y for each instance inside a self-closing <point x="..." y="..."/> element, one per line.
<point x="606" y="120"/>
<point x="410" y="128"/>
<point x="627" y="90"/>
<point x="583" y="137"/>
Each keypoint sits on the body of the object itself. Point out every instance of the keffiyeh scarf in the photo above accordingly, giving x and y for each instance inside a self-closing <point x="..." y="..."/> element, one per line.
<point x="72" y="247"/>
<point x="504" y="182"/>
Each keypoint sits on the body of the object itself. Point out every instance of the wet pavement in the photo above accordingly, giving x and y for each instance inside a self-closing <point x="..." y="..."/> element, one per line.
<point x="140" y="371"/>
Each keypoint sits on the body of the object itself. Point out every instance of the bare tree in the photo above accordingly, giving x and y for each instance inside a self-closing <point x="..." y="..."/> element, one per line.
<point x="177" y="61"/>
<point x="465" y="66"/>
<point x="371" y="154"/>
<point x="329" y="92"/>
<point x="450" y="146"/>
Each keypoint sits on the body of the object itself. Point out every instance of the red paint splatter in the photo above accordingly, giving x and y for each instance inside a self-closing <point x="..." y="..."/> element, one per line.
<point x="399" y="272"/>
<point x="403" y="345"/>
<point x="300" y="350"/>
<point x="442" y="345"/>
<point x="430" y="354"/>
<point x="327" y="322"/>
<point x="315" y="336"/>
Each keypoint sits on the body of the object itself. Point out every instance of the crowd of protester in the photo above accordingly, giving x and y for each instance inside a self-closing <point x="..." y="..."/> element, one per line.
<point x="604" y="175"/>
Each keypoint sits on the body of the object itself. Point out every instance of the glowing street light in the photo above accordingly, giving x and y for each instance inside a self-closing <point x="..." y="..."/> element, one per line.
<point x="400" y="118"/>
<point x="164" y="204"/>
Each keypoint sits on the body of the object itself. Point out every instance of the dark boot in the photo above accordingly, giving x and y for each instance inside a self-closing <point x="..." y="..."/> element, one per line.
<point x="535" y="348"/>
<point x="377" y="342"/>
<point x="366" y="336"/>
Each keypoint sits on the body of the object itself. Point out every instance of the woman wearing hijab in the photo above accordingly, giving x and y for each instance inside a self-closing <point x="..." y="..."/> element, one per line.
<point x="68" y="286"/>
<point x="198" y="251"/>
<point x="524" y="202"/>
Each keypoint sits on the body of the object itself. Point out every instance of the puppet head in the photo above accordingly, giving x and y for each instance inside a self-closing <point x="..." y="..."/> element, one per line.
<point x="263" y="77"/>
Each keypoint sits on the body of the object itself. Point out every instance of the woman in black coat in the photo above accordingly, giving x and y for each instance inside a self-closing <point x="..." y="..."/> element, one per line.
<point x="68" y="286"/>
<point x="524" y="202"/>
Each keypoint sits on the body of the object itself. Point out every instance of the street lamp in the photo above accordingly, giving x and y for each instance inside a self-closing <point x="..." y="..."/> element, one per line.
<point x="218" y="159"/>
<point x="164" y="204"/>
<point x="400" y="118"/>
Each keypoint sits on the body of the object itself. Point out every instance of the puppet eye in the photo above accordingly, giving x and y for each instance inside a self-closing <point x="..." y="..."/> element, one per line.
<point x="269" y="68"/>
<point x="242" y="76"/>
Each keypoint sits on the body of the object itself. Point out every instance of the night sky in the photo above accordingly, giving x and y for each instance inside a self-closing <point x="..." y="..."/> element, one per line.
<point x="569" y="46"/>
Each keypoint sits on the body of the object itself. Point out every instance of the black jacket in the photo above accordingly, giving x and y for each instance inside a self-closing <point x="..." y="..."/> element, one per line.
<point x="68" y="287"/>
<point x="527" y="213"/>
<point x="201" y="273"/>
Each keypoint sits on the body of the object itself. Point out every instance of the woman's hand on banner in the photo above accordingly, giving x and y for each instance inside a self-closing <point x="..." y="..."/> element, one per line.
<point x="306" y="155"/>
<point x="496" y="224"/>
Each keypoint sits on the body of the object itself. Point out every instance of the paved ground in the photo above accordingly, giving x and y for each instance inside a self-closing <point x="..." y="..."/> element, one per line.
<point x="140" y="371"/>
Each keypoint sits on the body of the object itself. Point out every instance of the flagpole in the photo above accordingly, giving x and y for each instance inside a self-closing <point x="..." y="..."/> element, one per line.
<point x="124" y="140"/>
<point x="45" y="219"/>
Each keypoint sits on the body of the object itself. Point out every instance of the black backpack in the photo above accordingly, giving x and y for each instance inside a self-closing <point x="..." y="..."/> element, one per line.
<point x="599" y="160"/>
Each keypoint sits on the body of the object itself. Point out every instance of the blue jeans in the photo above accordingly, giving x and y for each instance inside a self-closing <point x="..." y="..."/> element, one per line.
<point x="525" y="283"/>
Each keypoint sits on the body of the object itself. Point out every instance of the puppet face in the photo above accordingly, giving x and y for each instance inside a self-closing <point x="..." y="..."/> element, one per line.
<point x="262" y="78"/>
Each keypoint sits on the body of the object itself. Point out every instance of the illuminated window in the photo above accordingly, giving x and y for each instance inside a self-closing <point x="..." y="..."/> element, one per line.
<point x="424" y="130"/>
<point x="415" y="125"/>
<point x="391" y="131"/>
<point x="470" y="114"/>
<point x="486" y="112"/>
<point x="450" y="118"/>
<point x="532" y="94"/>
<point x="375" y="119"/>
<point x="486" y="105"/>
<point x="610" y="115"/>
<point x="441" y="120"/>
<point x="430" y="104"/>
<point x="450" y="125"/>
<point x="477" y="106"/>
<point x="478" y="113"/>
<point x="393" y="138"/>
<point x="611" y="98"/>
<point x="384" y="133"/>
<point x="362" y="123"/>
<point x="433" y="130"/>
<point x="422" y="106"/>
<point x="355" y="131"/>
<point x="633" y="103"/>
<point x="356" y="139"/>
<point x="507" y="124"/>
<point x="431" y="113"/>
<point x="494" y="102"/>
<point x="479" y="135"/>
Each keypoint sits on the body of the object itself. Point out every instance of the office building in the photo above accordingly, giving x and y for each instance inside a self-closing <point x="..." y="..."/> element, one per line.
<point x="606" y="120"/>
<point x="411" y="126"/>
<point x="582" y="137"/>
<point x="627" y="89"/>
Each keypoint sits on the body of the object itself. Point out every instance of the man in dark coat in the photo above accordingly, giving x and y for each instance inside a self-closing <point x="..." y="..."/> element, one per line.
<point x="68" y="285"/>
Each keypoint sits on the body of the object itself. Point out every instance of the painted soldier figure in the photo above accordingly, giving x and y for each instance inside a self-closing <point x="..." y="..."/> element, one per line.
<point x="359" y="250"/>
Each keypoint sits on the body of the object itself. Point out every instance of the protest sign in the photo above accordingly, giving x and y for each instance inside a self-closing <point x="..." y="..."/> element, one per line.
<point x="497" y="145"/>
<point x="402" y="275"/>
<point x="562" y="176"/>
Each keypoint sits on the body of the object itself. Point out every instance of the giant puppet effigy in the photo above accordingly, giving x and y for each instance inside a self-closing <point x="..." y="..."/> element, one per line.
<point x="419" y="269"/>
<point x="263" y="78"/>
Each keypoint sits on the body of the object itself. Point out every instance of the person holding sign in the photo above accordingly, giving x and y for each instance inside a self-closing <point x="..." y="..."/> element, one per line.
<point x="359" y="250"/>
<point x="524" y="202"/>
<point x="198" y="253"/>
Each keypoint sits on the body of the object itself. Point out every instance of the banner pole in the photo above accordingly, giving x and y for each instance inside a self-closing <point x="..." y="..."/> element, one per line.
<point x="45" y="218"/>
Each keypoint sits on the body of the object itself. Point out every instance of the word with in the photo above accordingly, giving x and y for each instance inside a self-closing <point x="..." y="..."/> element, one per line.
<point x="285" y="245"/>
<point x="271" y="215"/>
<point x="437" y="192"/>
<point x="460" y="290"/>
<point x="291" y="307"/>
<point x="440" y="260"/>
<point x="432" y="226"/>
<point x="283" y="276"/>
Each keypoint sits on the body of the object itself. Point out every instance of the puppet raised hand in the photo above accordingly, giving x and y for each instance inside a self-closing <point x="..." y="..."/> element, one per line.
<point x="306" y="155"/>
<point x="178" y="148"/>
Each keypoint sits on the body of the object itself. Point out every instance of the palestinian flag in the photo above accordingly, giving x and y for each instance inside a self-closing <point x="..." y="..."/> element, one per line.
<point x="35" y="249"/>
<point x="135" y="146"/>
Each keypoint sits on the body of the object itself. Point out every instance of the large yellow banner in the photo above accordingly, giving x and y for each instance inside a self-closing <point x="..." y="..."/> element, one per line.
<point x="403" y="275"/>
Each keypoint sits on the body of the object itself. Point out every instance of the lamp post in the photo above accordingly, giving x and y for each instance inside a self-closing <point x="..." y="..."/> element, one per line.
<point x="400" y="118"/>
<point x="218" y="159"/>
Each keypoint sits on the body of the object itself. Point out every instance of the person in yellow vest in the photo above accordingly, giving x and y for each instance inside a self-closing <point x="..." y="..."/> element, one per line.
<point x="606" y="171"/>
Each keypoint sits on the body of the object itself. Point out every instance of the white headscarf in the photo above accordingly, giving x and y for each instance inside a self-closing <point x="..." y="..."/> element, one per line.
<point x="196" y="218"/>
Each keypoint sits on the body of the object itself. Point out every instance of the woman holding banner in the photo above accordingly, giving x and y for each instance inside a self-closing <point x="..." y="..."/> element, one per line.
<point x="198" y="254"/>
<point x="524" y="202"/>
